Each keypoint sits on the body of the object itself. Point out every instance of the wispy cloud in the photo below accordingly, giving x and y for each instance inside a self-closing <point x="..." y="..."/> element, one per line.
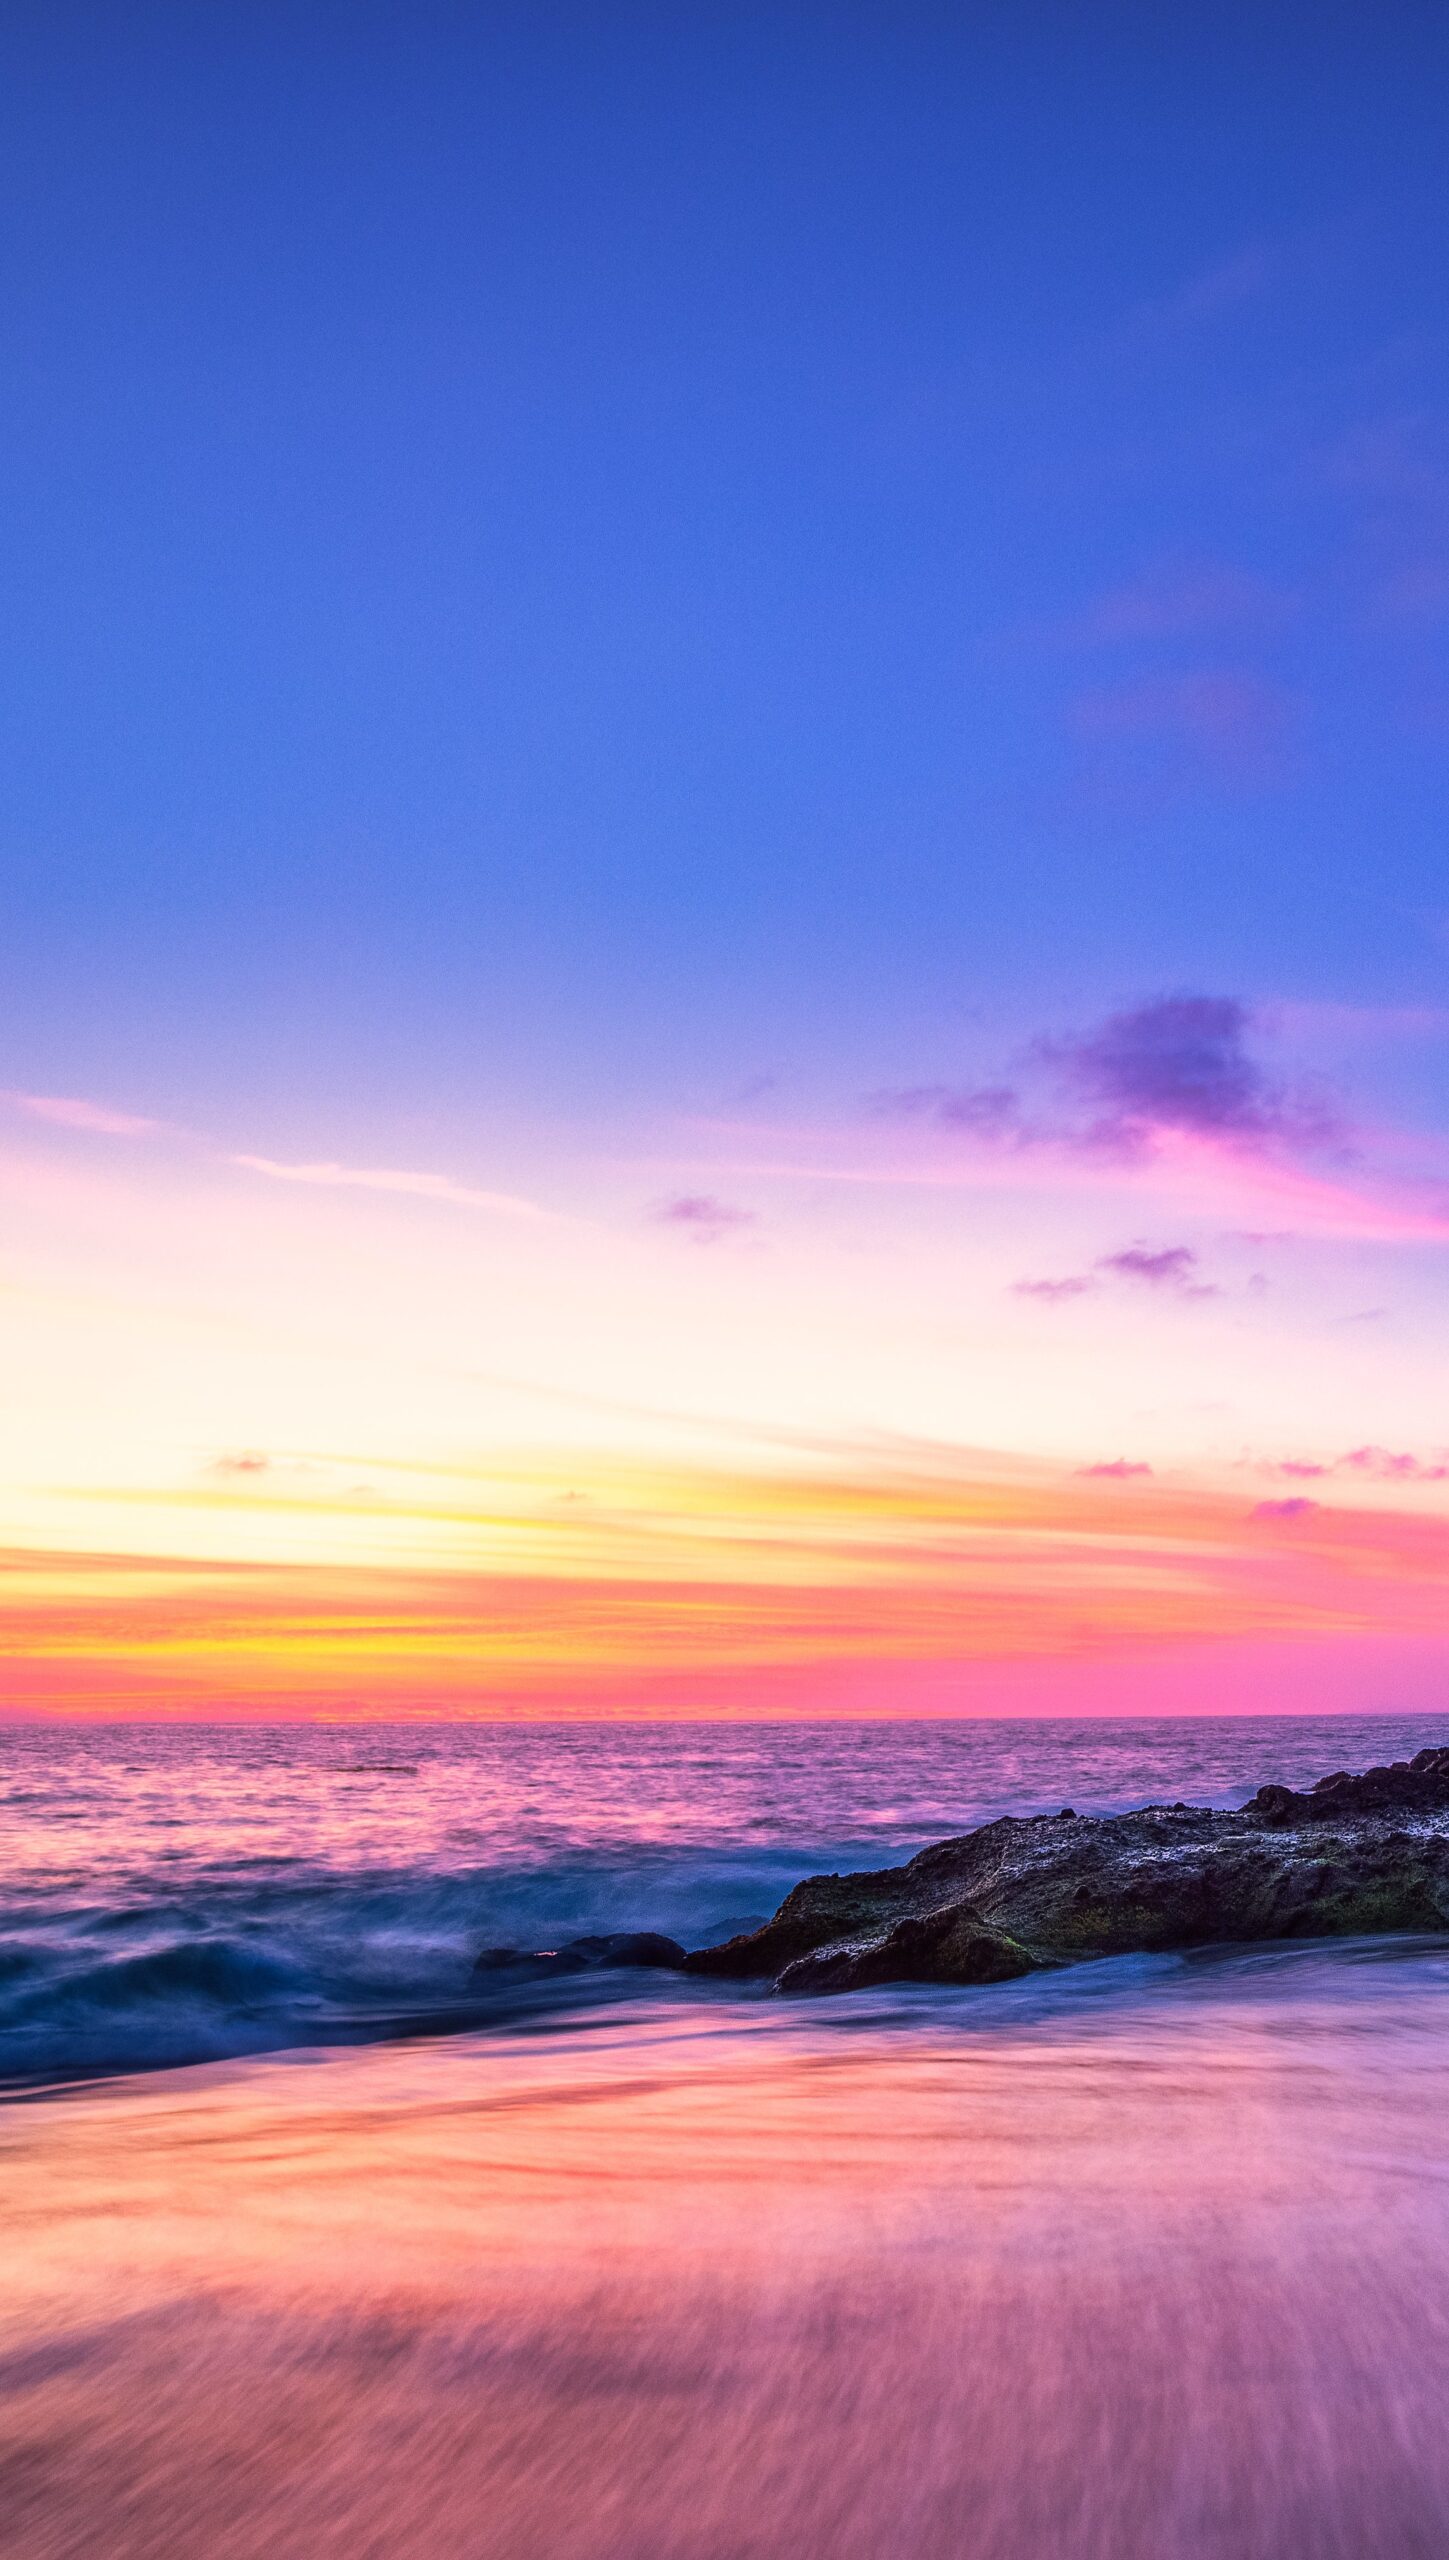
<point x="73" y="1111"/>
<point x="1355" y="1026"/>
<point x="1394" y="471"/>
<point x="1117" y="1470"/>
<point x="415" y="1186"/>
<point x="1214" y="291"/>
<point x="1054" y="1293"/>
<point x="984" y="1111"/>
<point x="1171" y="731"/>
<point x="1259" y="1194"/>
<point x="1377" y="1465"/>
<point x="1179" y="599"/>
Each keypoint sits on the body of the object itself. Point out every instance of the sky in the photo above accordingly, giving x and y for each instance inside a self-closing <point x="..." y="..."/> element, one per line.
<point x="724" y="912"/>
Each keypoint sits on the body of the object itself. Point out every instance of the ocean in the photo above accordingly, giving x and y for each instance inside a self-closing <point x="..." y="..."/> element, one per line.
<point x="317" y="2241"/>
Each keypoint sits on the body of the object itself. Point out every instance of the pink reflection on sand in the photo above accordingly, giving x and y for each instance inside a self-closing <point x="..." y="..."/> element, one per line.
<point x="1129" y="2282"/>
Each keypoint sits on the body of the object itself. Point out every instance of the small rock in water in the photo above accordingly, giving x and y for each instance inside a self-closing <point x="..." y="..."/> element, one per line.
<point x="644" y="1948"/>
<point x="533" y="1963"/>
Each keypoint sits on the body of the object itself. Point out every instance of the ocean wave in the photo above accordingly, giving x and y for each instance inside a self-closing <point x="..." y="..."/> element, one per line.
<point x="228" y="1968"/>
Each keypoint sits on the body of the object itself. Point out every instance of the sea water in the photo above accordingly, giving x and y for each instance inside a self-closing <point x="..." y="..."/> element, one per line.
<point x="312" y="2246"/>
<point x="182" y="1893"/>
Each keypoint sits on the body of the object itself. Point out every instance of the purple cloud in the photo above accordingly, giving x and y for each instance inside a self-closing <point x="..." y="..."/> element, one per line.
<point x="1173" y="1267"/>
<point x="1053" y="1293"/>
<point x="1295" y="1507"/>
<point x="1117" y="1468"/>
<point x="1179" y="1064"/>
<point x="702" y="1216"/>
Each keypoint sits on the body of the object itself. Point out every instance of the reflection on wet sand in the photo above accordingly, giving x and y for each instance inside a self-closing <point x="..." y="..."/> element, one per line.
<point x="1156" y="2269"/>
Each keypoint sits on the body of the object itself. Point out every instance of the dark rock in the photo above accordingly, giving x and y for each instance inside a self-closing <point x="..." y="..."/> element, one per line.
<point x="942" y="1946"/>
<point x="530" y="1964"/>
<point x="821" y="1909"/>
<point x="641" y="1947"/>
<point x="1420" y="1785"/>
<point x="1353" y="1856"/>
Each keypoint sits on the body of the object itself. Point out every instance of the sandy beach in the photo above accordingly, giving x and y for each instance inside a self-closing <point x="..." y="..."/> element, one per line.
<point x="1152" y="2271"/>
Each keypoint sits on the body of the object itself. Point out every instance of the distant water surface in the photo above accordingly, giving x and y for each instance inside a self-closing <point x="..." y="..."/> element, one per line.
<point x="174" y="1894"/>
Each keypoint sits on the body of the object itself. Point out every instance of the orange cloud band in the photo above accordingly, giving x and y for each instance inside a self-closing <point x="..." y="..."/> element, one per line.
<point x="724" y="1590"/>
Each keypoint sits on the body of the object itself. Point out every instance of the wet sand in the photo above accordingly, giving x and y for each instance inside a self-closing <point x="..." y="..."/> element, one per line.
<point x="1159" y="2270"/>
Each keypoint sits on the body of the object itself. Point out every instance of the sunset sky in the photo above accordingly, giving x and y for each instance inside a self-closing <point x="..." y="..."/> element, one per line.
<point x="725" y="950"/>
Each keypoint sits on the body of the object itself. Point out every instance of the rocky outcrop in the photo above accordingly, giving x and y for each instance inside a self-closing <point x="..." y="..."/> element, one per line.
<point x="1352" y="1856"/>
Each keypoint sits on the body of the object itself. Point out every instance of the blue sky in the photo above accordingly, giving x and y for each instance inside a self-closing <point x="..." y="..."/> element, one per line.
<point x="723" y="906"/>
<point x="558" y="559"/>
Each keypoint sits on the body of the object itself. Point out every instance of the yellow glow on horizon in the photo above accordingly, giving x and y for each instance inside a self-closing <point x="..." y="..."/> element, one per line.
<point x="310" y="1438"/>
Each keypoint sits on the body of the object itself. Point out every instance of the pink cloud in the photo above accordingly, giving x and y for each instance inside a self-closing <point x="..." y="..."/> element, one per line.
<point x="1167" y="1100"/>
<point x="1371" y="1463"/>
<point x="1200" y="1177"/>
<point x="1226" y="1182"/>
<point x="72" y="1111"/>
<point x="1390" y="1466"/>
<point x="415" y="1186"/>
